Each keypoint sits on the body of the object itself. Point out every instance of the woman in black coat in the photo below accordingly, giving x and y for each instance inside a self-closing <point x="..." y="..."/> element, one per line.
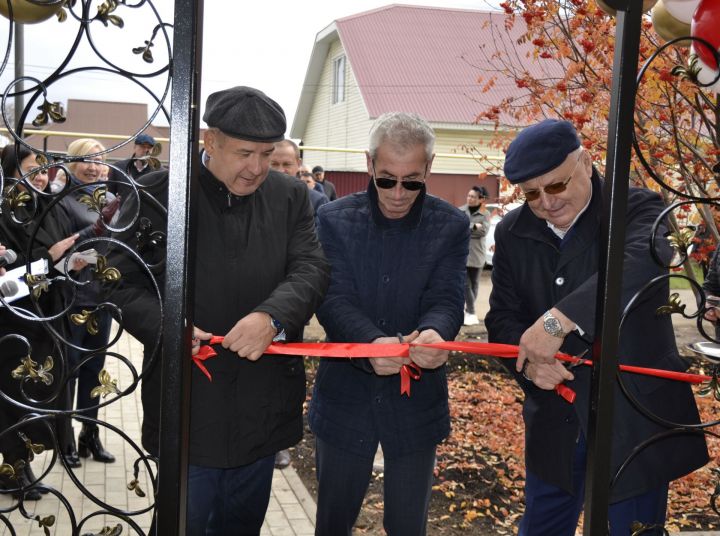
<point x="24" y="212"/>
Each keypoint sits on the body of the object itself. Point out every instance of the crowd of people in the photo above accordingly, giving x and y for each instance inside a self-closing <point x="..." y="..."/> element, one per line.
<point x="390" y="264"/>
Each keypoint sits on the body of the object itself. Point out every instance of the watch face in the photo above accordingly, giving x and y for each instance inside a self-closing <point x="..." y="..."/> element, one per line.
<point x="552" y="325"/>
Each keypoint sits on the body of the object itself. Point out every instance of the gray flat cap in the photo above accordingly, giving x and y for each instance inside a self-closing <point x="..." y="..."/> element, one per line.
<point x="246" y="113"/>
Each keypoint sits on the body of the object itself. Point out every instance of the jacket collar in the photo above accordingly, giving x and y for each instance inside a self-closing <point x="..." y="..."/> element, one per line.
<point x="409" y="221"/>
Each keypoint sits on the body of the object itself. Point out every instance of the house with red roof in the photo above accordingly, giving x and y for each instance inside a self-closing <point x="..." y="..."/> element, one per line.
<point x="417" y="59"/>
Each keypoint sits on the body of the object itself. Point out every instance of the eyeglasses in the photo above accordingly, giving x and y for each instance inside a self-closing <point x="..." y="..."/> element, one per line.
<point x="552" y="189"/>
<point x="386" y="183"/>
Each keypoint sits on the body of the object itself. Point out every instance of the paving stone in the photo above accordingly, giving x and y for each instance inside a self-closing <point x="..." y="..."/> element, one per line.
<point x="291" y="510"/>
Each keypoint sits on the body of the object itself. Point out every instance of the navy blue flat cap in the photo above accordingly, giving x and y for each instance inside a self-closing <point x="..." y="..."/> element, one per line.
<point x="539" y="148"/>
<point x="144" y="139"/>
<point x="246" y="113"/>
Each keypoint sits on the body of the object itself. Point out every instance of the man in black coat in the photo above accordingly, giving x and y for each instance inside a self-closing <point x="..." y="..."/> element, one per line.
<point x="259" y="275"/>
<point x="543" y="298"/>
<point x="323" y="185"/>
<point x="139" y="164"/>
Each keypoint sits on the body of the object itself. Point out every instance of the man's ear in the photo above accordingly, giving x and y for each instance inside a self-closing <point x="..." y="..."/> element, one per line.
<point x="429" y="165"/>
<point x="210" y="139"/>
<point x="369" y="163"/>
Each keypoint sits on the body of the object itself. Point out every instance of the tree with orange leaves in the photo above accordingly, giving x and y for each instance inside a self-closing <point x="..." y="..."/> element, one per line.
<point x="567" y="72"/>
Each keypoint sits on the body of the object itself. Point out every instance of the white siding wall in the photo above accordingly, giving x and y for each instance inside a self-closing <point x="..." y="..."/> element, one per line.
<point x="346" y="125"/>
<point x="456" y="142"/>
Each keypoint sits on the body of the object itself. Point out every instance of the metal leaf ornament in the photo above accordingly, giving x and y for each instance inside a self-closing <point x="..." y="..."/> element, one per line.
<point x="152" y="158"/>
<point x="38" y="284"/>
<point x="104" y="14"/>
<point x="30" y="370"/>
<point x="34" y="449"/>
<point x="134" y="485"/>
<point x="637" y="529"/>
<point x="87" y="318"/>
<point x="103" y="272"/>
<point x="16" y="198"/>
<point x="147" y="55"/>
<point x="682" y="239"/>
<point x="690" y="72"/>
<point x="11" y="471"/>
<point x="674" y="305"/>
<point x="96" y="201"/>
<point x="110" y="531"/>
<point x="107" y="386"/>
<point x="712" y="387"/>
<point x="148" y="239"/>
<point x="45" y="523"/>
<point x="49" y="111"/>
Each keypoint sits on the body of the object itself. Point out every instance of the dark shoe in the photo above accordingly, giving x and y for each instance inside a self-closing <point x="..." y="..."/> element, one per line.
<point x="21" y="481"/>
<point x="282" y="459"/>
<point x="89" y="441"/>
<point x="70" y="455"/>
<point x="72" y="459"/>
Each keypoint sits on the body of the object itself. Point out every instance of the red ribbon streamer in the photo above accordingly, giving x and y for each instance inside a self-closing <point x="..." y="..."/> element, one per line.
<point x="413" y="372"/>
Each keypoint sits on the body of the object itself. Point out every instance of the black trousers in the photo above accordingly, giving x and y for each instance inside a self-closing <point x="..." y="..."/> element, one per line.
<point x="343" y="480"/>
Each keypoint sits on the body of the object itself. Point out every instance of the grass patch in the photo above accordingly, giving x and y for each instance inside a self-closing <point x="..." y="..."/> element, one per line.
<point x="679" y="283"/>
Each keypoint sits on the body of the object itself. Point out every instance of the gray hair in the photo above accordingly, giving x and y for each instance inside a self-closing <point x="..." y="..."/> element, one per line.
<point x="403" y="130"/>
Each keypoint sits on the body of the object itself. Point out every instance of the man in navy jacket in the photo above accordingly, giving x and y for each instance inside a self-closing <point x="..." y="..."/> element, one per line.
<point x="543" y="298"/>
<point x="397" y="257"/>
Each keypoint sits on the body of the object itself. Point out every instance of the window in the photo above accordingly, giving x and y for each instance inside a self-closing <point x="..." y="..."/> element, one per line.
<point x="338" y="80"/>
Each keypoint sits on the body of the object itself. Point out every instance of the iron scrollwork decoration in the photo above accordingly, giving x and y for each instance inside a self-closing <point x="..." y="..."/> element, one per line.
<point x="34" y="330"/>
<point x="687" y="177"/>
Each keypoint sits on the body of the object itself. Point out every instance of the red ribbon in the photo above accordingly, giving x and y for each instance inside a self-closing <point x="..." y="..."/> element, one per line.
<point x="413" y="371"/>
<point x="205" y="352"/>
<point x="407" y="373"/>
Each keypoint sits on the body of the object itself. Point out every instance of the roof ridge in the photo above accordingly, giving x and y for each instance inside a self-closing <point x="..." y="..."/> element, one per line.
<point x="411" y="6"/>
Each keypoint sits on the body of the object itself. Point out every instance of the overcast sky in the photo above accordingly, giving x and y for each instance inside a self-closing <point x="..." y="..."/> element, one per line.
<point x="267" y="46"/>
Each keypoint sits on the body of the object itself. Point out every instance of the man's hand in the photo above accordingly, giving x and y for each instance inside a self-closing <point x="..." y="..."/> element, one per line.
<point x="387" y="366"/>
<point x="2" y="252"/>
<point x="539" y="347"/>
<point x="58" y="249"/>
<point x="547" y="376"/>
<point x="711" y="303"/>
<point x="428" y="358"/>
<point x="250" y="336"/>
<point x="197" y="336"/>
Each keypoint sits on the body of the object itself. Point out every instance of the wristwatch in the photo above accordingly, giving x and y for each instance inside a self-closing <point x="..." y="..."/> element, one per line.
<point x="552" y="326"/>
<point x="279" y="330"/>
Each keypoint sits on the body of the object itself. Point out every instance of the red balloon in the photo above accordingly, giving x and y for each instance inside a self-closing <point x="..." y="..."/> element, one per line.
<point x="705" y="23"/>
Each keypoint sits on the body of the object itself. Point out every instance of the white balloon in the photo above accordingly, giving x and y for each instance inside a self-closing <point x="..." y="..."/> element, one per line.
<point x="682" y="10"/>
<point x="707" y="75"/>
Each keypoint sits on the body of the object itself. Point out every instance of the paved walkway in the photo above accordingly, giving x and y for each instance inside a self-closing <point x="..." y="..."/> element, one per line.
<point x="291" y="511"/>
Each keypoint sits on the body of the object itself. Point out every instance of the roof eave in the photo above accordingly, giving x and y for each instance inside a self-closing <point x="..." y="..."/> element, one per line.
<point x="312" y="79"/>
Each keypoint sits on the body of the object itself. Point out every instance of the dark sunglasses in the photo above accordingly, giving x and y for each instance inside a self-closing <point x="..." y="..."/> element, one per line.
<point x="552" y="189"/>
<point x="386" y="183"/>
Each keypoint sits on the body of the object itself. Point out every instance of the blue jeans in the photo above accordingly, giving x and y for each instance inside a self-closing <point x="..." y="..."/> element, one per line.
<point x="552" y="511"/>
<point x="343" y="479"/>
<point x="229" y="501"/>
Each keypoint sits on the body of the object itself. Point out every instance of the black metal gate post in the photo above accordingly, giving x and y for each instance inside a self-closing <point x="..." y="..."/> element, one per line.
<point x="175" y="406"/>
<point x="612" y="242"/>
